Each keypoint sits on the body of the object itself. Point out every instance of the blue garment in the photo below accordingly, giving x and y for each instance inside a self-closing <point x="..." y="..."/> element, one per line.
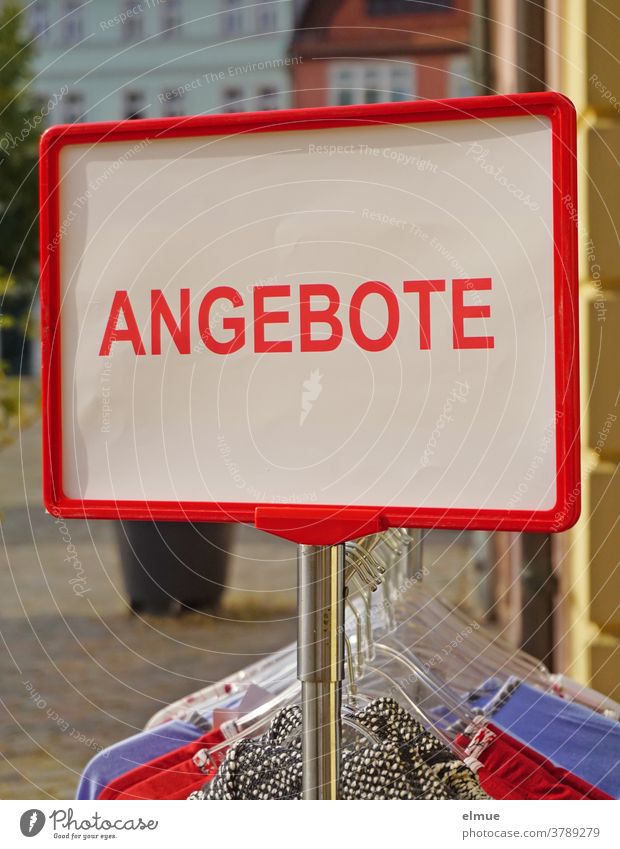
<point x="135" y="751"/>
<point x="568" y="734"/>
<point x="477" y="701"/>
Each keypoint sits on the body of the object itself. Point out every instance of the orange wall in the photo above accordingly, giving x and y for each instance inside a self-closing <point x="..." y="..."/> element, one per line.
<point x="428" y="39"/>
<point x="311" y="78"/>
<point x="310" y="83"/>
<point x="350" y="28"/>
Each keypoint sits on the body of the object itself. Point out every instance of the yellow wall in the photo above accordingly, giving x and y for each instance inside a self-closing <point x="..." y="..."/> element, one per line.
<point x="588" y="557"/>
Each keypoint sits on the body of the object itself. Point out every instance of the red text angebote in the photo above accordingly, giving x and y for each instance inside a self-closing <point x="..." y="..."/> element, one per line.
<point x="227" y="321"/>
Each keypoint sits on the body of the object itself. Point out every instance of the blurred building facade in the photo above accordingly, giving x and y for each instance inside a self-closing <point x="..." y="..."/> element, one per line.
<point x="109" y="60"/>
<point x="367" y="51"/>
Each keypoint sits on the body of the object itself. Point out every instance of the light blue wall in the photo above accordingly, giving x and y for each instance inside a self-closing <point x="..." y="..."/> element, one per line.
<point x="219" y="47"/>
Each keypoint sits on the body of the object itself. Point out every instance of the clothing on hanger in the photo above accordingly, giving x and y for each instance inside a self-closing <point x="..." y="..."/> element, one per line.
<point x="571" y="736"/>
<point x="122" y="757"/>
<point x="431" y="738"/>
<point x="508" y="769"/>
<point x="406" y="763"/>
<point x="171" y="776"/>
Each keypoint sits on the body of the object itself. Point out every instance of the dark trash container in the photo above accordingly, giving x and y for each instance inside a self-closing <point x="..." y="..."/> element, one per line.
<point x="168" y="566"/>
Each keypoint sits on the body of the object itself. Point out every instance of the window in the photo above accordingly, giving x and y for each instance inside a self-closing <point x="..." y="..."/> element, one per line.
<point x="171" y="17"/>
<point x="232" y="18"/>
<point x="72" y="21"/>
<point x="407" y="7"/>
<point x="133" y="26"/>
<point x="267" y="98"/>
<point x="266" y="16"/>
<point x="341" y="86"/>
<point x="73" y="107"/>
<point x="232" y="100"/>
<point x="371" y="84"/>
<point x="400" y="87"/>
<point x="133" y="104"/>
<point x="359" y="82"/>
<point x="172" y="100"/>
<point x="39" y="21"/>
<point x="460" y="77"/>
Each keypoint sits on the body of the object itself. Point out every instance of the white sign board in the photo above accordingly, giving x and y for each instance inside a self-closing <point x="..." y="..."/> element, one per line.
<point x="353" y="309"/>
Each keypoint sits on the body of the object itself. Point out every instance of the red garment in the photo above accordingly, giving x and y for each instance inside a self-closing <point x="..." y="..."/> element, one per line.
<point x="172" y="776"/>
<point x="508" y="769"/>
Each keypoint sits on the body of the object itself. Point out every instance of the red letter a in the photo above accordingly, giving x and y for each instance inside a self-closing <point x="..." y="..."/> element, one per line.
<point x="131" y="333"/>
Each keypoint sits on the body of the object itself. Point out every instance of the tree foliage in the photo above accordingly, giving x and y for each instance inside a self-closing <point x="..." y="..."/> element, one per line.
<point x="21" y="124"/>
<point x="20" y="130"/>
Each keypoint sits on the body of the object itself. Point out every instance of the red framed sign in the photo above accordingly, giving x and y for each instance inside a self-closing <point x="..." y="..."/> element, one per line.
<point x="323" y="321"/>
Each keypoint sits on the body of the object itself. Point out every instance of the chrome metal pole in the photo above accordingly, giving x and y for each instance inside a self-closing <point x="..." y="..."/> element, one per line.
<point x="320" y="665"/>
<point x="415" y="554"/>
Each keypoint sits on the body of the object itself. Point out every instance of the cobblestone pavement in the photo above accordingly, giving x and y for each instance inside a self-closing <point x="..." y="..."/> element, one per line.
<point x="79" y="672"/>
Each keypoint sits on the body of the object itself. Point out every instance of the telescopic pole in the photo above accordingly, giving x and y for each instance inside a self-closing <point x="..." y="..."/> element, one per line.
<point x="320" y="665"/>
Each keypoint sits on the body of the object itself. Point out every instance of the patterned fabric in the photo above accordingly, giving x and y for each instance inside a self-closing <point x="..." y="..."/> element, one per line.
<point x="406" y="762"/>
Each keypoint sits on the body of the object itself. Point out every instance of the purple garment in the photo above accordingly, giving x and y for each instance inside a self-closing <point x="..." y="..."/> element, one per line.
<point x="135" y="751"/>
<point x="477" y="700"/>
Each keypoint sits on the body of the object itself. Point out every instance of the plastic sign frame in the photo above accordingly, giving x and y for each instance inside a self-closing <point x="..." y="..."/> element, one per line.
<point x="314" y="523"/>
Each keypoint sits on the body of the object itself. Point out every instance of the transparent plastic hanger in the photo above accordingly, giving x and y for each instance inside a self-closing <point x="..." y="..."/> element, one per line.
<point x="255" y="722"/>
<point x="428" y="623"/>
<point x="279" y="668"/>
<point x="274" y="671"/>
<point x="486" y="655"/>
<point x="448" y="697"/>
<point x="586" y="696"/>
<point x="371" y="561"/>
<point x="499" y="642"/>
<point x="425" y="720"/>
<point x="363" y="565"/>
<point x="505" y="661"/>
<point x="412" y="623"/>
